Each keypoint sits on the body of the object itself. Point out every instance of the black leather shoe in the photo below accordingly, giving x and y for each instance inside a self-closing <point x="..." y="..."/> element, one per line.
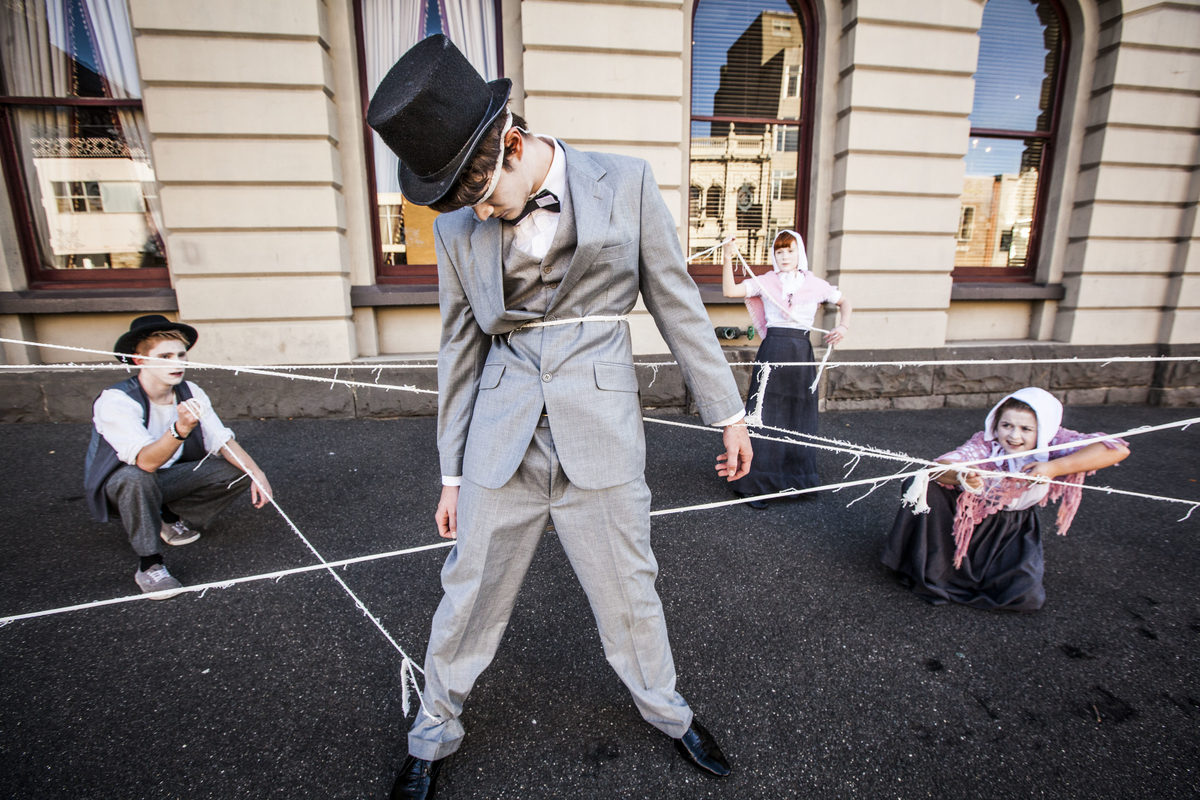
<point x="699" y="747"/>
<point x="417" y="779"/>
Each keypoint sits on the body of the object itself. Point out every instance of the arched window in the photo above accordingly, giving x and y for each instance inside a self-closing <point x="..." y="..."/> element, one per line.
<point x="714" y="204"/>
<point x="1022" y="44"/>
<point x="753" y="66"/>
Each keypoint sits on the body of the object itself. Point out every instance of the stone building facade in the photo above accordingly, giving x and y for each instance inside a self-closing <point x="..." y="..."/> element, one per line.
<point x="263" y="185"/>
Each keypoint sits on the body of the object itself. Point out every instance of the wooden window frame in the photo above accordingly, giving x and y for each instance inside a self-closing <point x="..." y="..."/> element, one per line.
<point x="406" y="274"/>
<point x="709" y="273"/>
<point x="1028" y="273"/>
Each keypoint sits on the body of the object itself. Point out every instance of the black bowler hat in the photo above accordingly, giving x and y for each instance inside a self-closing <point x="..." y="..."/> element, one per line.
<point x="432" y="109"/>
<point x="143" y="327"/>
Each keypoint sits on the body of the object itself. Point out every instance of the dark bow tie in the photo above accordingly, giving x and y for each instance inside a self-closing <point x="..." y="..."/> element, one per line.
<point x="545" y="200"/>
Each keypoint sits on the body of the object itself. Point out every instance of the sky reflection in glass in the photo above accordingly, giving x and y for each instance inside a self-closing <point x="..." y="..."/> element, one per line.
<point x="1012" y="67"/>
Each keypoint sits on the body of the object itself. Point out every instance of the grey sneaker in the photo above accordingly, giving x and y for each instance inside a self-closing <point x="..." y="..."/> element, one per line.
<point x="157" y="579"/>
<point x="178" y="533"/>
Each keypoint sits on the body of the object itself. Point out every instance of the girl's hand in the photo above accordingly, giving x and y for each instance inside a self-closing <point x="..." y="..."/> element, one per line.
<point x="971" y="480"/>
<point x="836" y="335"/>
<point x="1039" y="471"/>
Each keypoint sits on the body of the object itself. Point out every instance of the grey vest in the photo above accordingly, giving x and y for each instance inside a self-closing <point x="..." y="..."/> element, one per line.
<point x="529" y="284"/>
<point x="102" y="460"/>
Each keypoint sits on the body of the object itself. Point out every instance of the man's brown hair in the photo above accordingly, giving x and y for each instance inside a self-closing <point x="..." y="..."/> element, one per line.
<point x="478" y="173"/>
<point x="146" y="345"/>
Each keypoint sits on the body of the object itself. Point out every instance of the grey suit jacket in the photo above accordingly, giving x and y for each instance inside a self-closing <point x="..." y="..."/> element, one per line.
<point x="492" y="391"/>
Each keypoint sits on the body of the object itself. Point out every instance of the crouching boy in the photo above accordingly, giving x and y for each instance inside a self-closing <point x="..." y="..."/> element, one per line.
<point x="146" y="461"/>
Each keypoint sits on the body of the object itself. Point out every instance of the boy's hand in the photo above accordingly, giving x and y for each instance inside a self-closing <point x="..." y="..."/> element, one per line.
<point x="189" y="417"/>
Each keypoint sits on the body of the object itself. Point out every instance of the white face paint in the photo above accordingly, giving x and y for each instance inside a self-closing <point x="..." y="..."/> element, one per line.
<point x="168" y="371"/>
<point x="788" y="258"/>
<point x="1017" y="431"/>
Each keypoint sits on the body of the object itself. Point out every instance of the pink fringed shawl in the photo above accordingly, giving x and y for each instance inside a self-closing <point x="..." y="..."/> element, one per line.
<point x="813" y="290"/>
<point x="998" y="493"/>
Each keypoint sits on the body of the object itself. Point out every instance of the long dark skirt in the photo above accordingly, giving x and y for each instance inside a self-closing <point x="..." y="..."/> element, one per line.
<point x="789" y="404"/>
<point x="1002" y="569"/>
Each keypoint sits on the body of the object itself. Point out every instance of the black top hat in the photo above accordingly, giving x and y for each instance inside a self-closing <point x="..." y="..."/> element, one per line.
<point x="142" y="327"/>
<point x="432" y="109"/>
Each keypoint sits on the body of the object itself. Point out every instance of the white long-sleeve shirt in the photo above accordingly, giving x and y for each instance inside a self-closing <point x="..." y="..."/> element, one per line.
<point x="118" y="418"/>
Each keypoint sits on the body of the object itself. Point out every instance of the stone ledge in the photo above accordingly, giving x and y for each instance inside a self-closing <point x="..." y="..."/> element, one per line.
<point x="393" y="294"/>
<point x="1007" y="291"/>
<point x="87" y="301"/>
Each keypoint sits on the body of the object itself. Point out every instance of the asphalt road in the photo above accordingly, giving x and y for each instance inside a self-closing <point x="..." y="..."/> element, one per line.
<point x="819" y="675"/>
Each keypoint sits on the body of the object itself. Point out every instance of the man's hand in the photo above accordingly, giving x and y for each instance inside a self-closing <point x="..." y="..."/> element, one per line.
<point x="734" y="463"/>
<point x="447" y="513"/>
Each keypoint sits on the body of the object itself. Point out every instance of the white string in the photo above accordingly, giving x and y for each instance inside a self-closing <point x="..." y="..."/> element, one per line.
<point x="200" y="365"/>
<point x="279" y="370"/>
<point x="201" y="588"/>
<point x="958" y="465"/>
<point x="361" y="605"/>
<point x="549" y="323"/>
<point x="703" y="253"/>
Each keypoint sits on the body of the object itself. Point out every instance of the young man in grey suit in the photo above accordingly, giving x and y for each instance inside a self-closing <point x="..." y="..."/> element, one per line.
<point x="542" y="252"/>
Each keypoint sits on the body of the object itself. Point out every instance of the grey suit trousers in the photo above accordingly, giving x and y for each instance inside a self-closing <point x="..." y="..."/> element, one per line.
<point x="606" y="536"/>
<point x="195" y="493"/>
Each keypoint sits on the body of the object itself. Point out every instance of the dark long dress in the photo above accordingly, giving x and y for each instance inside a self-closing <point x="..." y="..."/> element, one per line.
<point x="1003" y="567"/>
<point x="790" y="404"/>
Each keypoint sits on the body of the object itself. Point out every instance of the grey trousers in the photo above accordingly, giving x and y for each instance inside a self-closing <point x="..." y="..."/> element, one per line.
<point x="196" y="495"/>
<point x="606" y="536"/>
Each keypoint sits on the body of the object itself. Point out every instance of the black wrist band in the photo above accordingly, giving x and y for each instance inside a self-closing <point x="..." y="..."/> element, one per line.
<point x="175" y="433"/>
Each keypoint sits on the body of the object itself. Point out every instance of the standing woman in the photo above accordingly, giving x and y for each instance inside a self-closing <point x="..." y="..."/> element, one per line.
<point x="783" y="304"/>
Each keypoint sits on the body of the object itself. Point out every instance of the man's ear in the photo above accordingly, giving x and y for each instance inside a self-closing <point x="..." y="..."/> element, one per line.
<point x="514" y="143"/>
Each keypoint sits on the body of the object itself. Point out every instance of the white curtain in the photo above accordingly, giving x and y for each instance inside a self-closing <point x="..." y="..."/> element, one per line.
<point x="471" y="25"/>
<point x="390" y="27"/>
<point x="113" y="35"/>
<point x="33" y="67"/>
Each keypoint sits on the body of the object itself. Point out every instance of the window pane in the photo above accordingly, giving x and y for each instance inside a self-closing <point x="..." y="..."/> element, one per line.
<point x="746" y="60"/>
<point x="1019" y="46"/>
<point x="742" y="184"/>
<point x="68" y="48"/>
<point x="998" y="200"/>
<point x="389" y="29"/>
<point x="90" y="187"/>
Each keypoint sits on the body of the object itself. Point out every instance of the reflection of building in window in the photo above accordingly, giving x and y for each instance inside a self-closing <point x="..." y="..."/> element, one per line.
<point x="100" y="223"/>
<point x="999" y="236"/>
<point x="787" y="139"/>
<point x="760" y="80"/>
<point x="714" y="205"/>
<point x="694" y="195"/>
<point x="783" y="184"/>
<point x="391" y="233"/>
<point x="966" y="223"/>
